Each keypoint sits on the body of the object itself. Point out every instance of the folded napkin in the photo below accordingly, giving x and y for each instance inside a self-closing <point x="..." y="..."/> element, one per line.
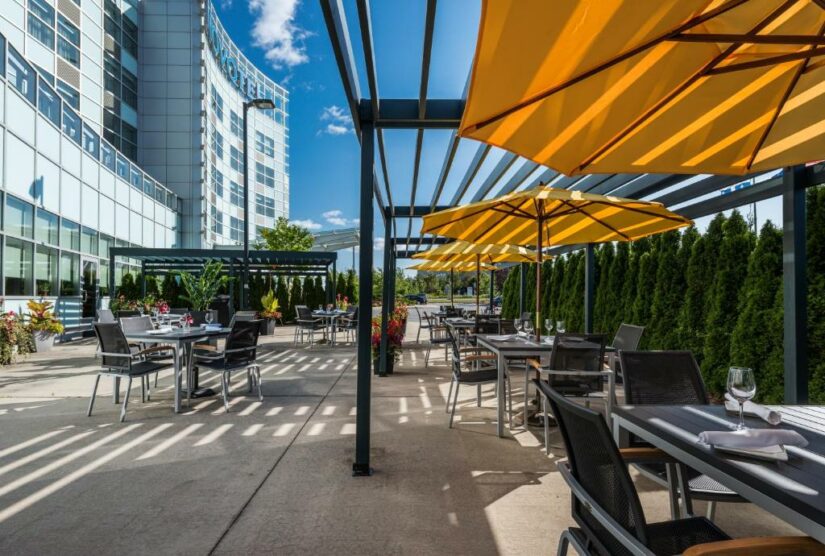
<point x="503" y="338"/>
<point x="750" y="439"/>
<point x="754" y="409"/>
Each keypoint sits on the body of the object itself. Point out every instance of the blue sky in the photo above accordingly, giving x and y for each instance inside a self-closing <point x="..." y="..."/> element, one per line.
<point x="288" y="39"/>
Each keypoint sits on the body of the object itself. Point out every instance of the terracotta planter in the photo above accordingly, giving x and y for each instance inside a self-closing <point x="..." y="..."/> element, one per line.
<point x="43" y="341"/>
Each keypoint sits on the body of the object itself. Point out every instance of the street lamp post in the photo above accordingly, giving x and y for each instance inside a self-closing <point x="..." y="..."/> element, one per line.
<point x="260" y="104"/>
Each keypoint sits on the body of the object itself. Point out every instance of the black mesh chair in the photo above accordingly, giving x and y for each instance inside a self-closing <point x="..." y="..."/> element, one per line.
<point x="627" y="338"/>
<point x="470" y="366"/>
<point x="178" y="310"/>
<point x="438" y="338"/>
<point x="574" y="369"/>
<point x="671" y="378"/>
<point x="348" y="323"/>
<point x="421" y="324"/>
<point x="306" y="324"/>
<point x="142" y="324"/>
<point x="607" y="509"/>
<point x="105" y="315"/>
<point x="126" y="313"/>
<point x="239" y="354"/>
<point x="121" y="361"/>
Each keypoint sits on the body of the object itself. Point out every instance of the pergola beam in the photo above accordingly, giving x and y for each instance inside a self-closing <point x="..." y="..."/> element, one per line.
<point x="406" y="113"/>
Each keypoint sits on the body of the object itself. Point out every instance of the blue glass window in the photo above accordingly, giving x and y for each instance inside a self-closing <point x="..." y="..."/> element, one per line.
<point x="71" y="125"/>
<point x="48" y="102"/>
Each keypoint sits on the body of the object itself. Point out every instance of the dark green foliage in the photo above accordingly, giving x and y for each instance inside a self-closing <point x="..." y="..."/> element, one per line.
<point x="668" y="294"/>
<point x="616" y="275"/>
<point x="320" y="292"/>
<point x="645" y="288"/>
<point x="341" y="286"/>
<point x="352" y="286"/>
<point x="295" y="296"/>
<point x="546" y="290"/>
<point x="128" y="288"/>
<point x="171" y="290"/>
<point x="557" y="289"/>
<point x="601" y="310"/>
<point x="723" y="300"/>
<point x="530" y="293"/>
<point x="152" y="286"/>
<point x="282" y="295"/>
<point x="308" y="293"/>
<point x="509" y="297"/>
<point x="754" y="342"/>
<point x="816" y="293"/>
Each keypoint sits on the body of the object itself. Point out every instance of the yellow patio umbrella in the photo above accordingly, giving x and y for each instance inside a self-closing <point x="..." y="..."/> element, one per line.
<point x="479" y="253"/>
<point x="630" y="86"/>
<point x="456" y="265"/>
<point x="544" y="217"/>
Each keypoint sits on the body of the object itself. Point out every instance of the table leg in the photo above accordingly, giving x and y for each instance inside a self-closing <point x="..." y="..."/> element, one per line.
<point x="672" y="481"/>
<point x="116" y="389"/>
<point x="500" y="395"/>
<point x="177" y="377"/>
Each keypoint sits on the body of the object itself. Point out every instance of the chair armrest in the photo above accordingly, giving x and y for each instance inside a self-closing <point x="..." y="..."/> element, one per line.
<point x="645" y="455"/>
<point x="759" y="546"/>
<point x="240" y="350"/>
<point x="472" y="349"/>
<point x="153" y="349"/>
<point x="108" y="354"/>
<point x="535" y="363"/>
<point x="205" y="347"/>
<point x="573" y="373"/>
<point x="479" y="357"/>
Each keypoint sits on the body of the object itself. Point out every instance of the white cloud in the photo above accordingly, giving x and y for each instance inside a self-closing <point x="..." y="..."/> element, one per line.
<point x="378" y="244"/>
<point x="337" y="121"/>
<point x="275" y="31"/>
<point x="309" y="224"/>
<point x="336" y="218"/>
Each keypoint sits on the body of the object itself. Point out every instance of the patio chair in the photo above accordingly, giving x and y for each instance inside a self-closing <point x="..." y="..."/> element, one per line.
<point x="421" y="324"/>
<point x="142" y="324"/>
<point x="239" y="354"/>
<point x="627" y="338"/>
<point x="306" y="323"/>
<point x="178" y="310"/>
<point x="671" y="378"/>
<point x="120" y="361"/>
<point x="574" y="369"/>
<point x="471" y="366"/>
<point x="126" y="313"/>
<point x="438" y="337"/>
<point x="607" y="509"/>
<point x="105" y="315"/>
<point x="242" y="316"/>
<point x="349" y="323"/>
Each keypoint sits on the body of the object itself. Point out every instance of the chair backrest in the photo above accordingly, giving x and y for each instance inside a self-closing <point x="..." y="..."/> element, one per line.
<point x="456" y="360"/>
<point x="244" y="334"/>
<point x="105" y="315"/>
<point x="125" y="313"/>
<point x="487" y="326"/>
<point x="662" y="378"/>
<point x="112" y="340"/>
<point x="136" y="324"/>
<point x="598" y="468"/>
<point x="178" y="310"/>
<point x="577" y="352"/>
<point x="628" y="337"/>
<point x="506" y="326"/>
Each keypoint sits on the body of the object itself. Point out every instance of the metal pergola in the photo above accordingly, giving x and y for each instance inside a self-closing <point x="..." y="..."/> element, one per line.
<point x="692" y="196"/>
<point x="159" y="262"/>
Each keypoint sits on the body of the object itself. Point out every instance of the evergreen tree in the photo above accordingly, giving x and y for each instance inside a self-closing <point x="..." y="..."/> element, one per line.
<point x="152" y="286"/>
<point x="546" y="291"/>
<point x="816" y="292"/>
<point x="630" y="288"/>
<point x="282" y="295"/>
<point x="341" y="286"/>
<point x="699" y="276"/>
<point x="668" y="294"/>
<point x="755" y="342"/>
<point x="604" y="260"/>
<point x="617" y="274"/>
<point x="530" y="294"/>
<point x="170" y="290"/>
<point x="352" y="286"/>
<point x="723" y="301"/>
<point x="308" y="291"/>
<point x="645" y="288"/>
<point x="575" y="315"/>
<point x="557" y="291"/>
<point x="509" y="297"/>
<point x="320" y="292"/>
<point x="567" y="301"/>
<point x="295" y="295"/>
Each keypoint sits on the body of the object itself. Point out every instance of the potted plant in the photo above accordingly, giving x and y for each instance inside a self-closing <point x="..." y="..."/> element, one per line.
<point x="269" y="313"/>
<point x="395" y="337"/>
<point x="400" y="314"/>
<point x="43" y="324"/>
<point x="202" y="289"/>
<point x="15" y="338"/>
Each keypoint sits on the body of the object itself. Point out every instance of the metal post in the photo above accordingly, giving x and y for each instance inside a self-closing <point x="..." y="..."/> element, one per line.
<point x="492" y="289"/>
<point x="334" y="288"/>
<point x="589" y="286"/>
<point x="245" y="280"/>
<point x="478" y="284"/>
<point x="231" y="288"/>
<point x="361" y="466"/>
<point x="539" y="235"/>
<point x="143" y="279"/>
<point x="392" y="282"/>
<point x="385" y="299"/>
<point x="452" y="287"/>
<point x="112" y="292"/>
<point x="795" y="285"/>
<point x="522" y="288"/>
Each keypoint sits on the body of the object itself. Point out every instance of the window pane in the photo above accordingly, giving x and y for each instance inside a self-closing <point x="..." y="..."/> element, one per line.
<point x="18" y="267"/>
<point x="91" y="141"/>
<point x="105" y="243"/>
<point x="107" y="156"/>
<point x="19" y="216"/>
<point x="104" y="278"/>
<point x="68" y="51"/>
<point x="70" y="235"/>
<point x="69" y="94"/>
<point x="71" y="125"/>
<point x="21" y="75"/>
<point x="67" y="30"/>
<point x="41" y="31"/>
<point x="122" y="167"/>
<point x="45" y="227"/>
<point x="45" y="271"/>
<point x="48" y="102"/>
<point x="137" y="179"/>
<point x="88" y="241"/>
<point x="43" y="10"/>
<point x="69" y="274"/>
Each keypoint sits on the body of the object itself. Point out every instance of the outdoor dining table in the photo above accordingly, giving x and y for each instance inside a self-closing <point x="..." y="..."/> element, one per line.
<point x="181" y="340"/>
<point x="793" y="491"/>
<point x="329" y="318"/>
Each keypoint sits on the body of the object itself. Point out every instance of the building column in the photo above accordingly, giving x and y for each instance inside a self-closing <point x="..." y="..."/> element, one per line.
<point x="795" y="285"/>
<point x="589" y="287"/>
<point x="385" y="297"/>
<point x="361" y="466"/>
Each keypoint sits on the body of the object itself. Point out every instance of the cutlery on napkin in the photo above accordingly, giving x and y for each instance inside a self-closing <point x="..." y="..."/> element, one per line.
<point x="753" y="439"/>
<point x="754" y="409"/>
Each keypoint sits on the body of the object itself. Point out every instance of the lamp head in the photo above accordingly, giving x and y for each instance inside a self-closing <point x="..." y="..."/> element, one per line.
<point x="262" y="103"/>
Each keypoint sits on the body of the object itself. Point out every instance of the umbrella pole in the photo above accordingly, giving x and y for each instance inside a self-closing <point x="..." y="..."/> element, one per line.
<point x="452" y="304"/>
<point x="538" y="282"/>
<point x="478" y="284"/>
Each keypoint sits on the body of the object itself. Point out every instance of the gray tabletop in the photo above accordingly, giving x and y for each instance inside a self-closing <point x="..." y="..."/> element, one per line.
<point x="179" y="334"/>
<point x="794" y="490"/>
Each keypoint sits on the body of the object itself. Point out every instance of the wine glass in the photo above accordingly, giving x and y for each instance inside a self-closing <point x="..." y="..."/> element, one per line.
<point x="560" y="328"/>
<point x="517" y="324"/>
<point x="548" y="325"/>
<point x="141" y="309"/>
<point x="528" y="327"/>
<point x="742" y="387"/>
<point x="208" y="317"/>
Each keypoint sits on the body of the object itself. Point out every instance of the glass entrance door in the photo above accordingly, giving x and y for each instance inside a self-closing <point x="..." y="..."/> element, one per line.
<point x="89" y="287"/>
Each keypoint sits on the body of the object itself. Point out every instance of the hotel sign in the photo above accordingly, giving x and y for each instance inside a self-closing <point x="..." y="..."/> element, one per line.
<point x="245" y="83"/>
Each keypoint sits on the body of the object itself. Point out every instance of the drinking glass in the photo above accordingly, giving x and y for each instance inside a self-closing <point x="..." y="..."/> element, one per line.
<point x="528" y="327"/>
<point x="208" y="317"/>
<point x="548" y="324"/>
<point x="560" y="326"/>
<point x="140" y="309"/>
<point x="517" y="324"/>
<point x="742" y="387"/>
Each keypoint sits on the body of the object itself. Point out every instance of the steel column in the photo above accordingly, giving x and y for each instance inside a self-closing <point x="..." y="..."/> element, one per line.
<point x="794" y="262"/>
<point x="112" y="292"/>
<point x="245" y="280"/>
<point x="143" y="279"/>
<point x="361" y="466"/>
<point x="589" y="286"/>
<point x="385" y="299"/>
<point x="492" y="289"/>
<point x="334" y="283"/>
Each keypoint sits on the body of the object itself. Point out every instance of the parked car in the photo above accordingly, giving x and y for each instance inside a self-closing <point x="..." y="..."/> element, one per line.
<point x="497" y="301"/>
<point x="419" y="298"/>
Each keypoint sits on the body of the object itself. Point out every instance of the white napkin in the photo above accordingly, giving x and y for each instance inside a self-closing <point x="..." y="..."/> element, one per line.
<point x="754" y="409"/>
<point x="753" y="438"/>
<point x="162" y="330"/>
<point x="503" y="338"/>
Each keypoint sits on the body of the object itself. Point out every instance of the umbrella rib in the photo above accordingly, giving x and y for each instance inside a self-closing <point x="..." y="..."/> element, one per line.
<point x="705" y="70"/>
<point x="642" y="211"/>
<point x="698" y="20"/>
<point x="750" y="38"/>
<point x="791" y="86"/>
<point x="820" y="3"/>
<point x="772" y="61"/>
<point x="597" y="221"/>
<point x="518" y="210"/>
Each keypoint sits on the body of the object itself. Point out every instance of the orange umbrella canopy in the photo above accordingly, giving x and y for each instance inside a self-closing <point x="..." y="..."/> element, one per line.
<point x="671" y="86"/>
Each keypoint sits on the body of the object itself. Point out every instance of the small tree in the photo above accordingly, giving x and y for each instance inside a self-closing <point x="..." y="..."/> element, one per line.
<point x="285" y="237"/>
<point x="282" y="295"/>
<point x="617" y="273"/>
<point x="668" y="294"/>
<point x="352" y="286"/>
<point x="601" y="307"/>
<point x="509" y="295"/>
<point x="202" y="289"/>
<point x="295" y="297"/>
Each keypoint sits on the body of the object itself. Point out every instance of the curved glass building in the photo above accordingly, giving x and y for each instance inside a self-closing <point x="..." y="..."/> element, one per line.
<point x="121" y="124"/>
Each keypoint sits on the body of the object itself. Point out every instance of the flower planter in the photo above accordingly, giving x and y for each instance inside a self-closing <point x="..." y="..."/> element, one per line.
<point x="376" y="365"/>
<point x="43" y="341"/>
<point x="268" y="327"/>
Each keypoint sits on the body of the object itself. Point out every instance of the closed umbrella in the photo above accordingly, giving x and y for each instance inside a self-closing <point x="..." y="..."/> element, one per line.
<point x="544" y="217"/>
<point x="673" y="86"/>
